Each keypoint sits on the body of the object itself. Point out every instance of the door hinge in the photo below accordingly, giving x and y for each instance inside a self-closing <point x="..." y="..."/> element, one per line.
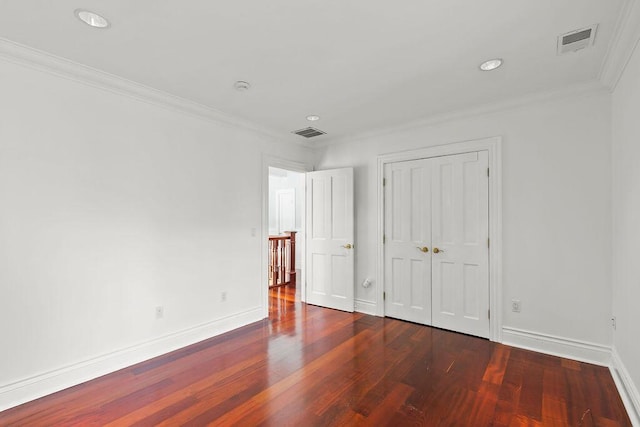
<point x="489" y="313"/>
<point x="384" y="239"/>
<point x="488" y="243"/>
<point x="487" y="171"/>
<point x="384" y="296"/>
<point x="384" y="181"/>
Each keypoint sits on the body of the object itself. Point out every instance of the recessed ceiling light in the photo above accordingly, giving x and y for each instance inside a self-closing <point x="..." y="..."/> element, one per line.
<point x="92" y="19"/>
<point x="313" y="118"/>
<point x="491" y="64"/>
<point x="241" y="86"/>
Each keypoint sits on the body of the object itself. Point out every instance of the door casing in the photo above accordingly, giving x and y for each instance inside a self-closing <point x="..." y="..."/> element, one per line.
<point x="494" y="147"/>
<point x="281" y="163"/>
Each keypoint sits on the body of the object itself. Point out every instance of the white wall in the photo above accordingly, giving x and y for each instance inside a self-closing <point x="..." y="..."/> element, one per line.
<point x="109" y="207"/>
<point x="556" y="208"/>
<point x="626" y="221"/>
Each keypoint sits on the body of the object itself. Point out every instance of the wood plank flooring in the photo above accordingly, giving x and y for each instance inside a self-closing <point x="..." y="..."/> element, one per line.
<point x="309" y="366"/>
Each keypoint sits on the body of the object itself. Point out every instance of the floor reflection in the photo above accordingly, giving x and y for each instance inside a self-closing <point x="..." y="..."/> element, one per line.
<point x="283" y="303"/>
<point x="285" y="341"/>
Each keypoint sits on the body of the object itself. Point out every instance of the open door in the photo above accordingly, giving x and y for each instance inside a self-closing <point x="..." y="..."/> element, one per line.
<point x="330" y="254"/>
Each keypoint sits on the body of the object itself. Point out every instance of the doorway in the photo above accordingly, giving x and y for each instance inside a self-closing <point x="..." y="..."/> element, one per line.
<point x="286" y="219"/>
<point x="445" y="270"/>
<point x="325" y="232"/>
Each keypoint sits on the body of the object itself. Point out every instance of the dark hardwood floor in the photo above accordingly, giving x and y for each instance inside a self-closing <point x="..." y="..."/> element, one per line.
<point x="307" y="366"/>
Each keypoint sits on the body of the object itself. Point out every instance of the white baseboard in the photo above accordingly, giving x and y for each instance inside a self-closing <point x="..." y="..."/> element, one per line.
<point x="627" y="389"/>
<point x="28" y="389"/>
<point x="366" y="307"/>
<point x="582" y="351"/>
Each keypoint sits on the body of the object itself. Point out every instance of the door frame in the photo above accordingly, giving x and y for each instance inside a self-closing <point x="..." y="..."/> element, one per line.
<point x="269" y="161"/>
<point x="494" y="146"/>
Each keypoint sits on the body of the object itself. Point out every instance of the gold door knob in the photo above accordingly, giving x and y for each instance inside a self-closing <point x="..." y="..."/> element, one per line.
<point x="423" y="249"/>
<point x="348" y="246"/>
<point x="436" y="250"/>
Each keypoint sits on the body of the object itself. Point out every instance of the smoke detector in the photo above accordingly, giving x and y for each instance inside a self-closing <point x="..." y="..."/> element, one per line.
<point x="577" y="40"/>
<point x="241" y="86"/>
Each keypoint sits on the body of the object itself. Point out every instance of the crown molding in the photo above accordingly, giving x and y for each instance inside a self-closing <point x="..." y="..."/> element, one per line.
<point x="618" y="54"/>
<point x="623" y="43"/>
<point x="51" y="64"/>
<point x="494" y="107"/>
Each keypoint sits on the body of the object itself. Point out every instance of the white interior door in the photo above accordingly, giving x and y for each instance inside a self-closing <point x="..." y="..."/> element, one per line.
<point x="330" y="258"/>
<point x="436" y="242"/>
<point x="286" y="210"/>
<point x="407" y="241"/>
<point x="460" y="260"/>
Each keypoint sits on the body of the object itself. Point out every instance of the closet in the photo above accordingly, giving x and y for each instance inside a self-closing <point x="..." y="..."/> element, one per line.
<point x="436" y="242"/>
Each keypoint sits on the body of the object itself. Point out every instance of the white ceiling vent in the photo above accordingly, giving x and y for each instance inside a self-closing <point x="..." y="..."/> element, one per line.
<point x="309" y="132"/>
<point x="576" y="40"/>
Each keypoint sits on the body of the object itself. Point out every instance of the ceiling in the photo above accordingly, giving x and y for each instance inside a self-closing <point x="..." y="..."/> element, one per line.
<point x="359" y="64"/>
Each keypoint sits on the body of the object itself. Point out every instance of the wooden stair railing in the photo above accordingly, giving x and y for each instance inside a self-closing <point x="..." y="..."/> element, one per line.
<point x="282" y="259"/>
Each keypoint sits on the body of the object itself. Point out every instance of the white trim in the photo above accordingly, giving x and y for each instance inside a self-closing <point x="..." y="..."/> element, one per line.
<point x="32" y="388"/>
<point x="623" y="43"/>
<point x="54" y="65"/>
<point x="290" y="165"/>
<point x="582" y="351"/>
<point x="62" y="67"/>
<point x="470" y="112"/>
<point x="627" y="389"/>
<point x="494" y="146"/>
<point x="366" y="307"/>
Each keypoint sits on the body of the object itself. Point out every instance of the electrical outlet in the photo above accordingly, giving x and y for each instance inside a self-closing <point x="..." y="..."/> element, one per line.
<point x="159" y="312"/>
<point x="223" y="296"/>
<point x="516" y="305"/>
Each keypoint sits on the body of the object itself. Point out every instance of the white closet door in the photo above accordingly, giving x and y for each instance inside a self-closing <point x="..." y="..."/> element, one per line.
<point x="460" y="253"/>
<point x="330" y="239"/>
<point x="407" y="231"/>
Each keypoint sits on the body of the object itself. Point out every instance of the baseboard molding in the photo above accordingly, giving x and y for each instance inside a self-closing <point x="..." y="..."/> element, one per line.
<point x="627" y="389"/>
<point x="366" y="307"/>
<point x="582" y="351"/>
<point x="28" y="389"/>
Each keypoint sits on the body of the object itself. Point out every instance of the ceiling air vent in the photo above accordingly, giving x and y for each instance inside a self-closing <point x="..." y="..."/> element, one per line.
<point x="309" y="132"/>
<point x="576" y="40"/>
